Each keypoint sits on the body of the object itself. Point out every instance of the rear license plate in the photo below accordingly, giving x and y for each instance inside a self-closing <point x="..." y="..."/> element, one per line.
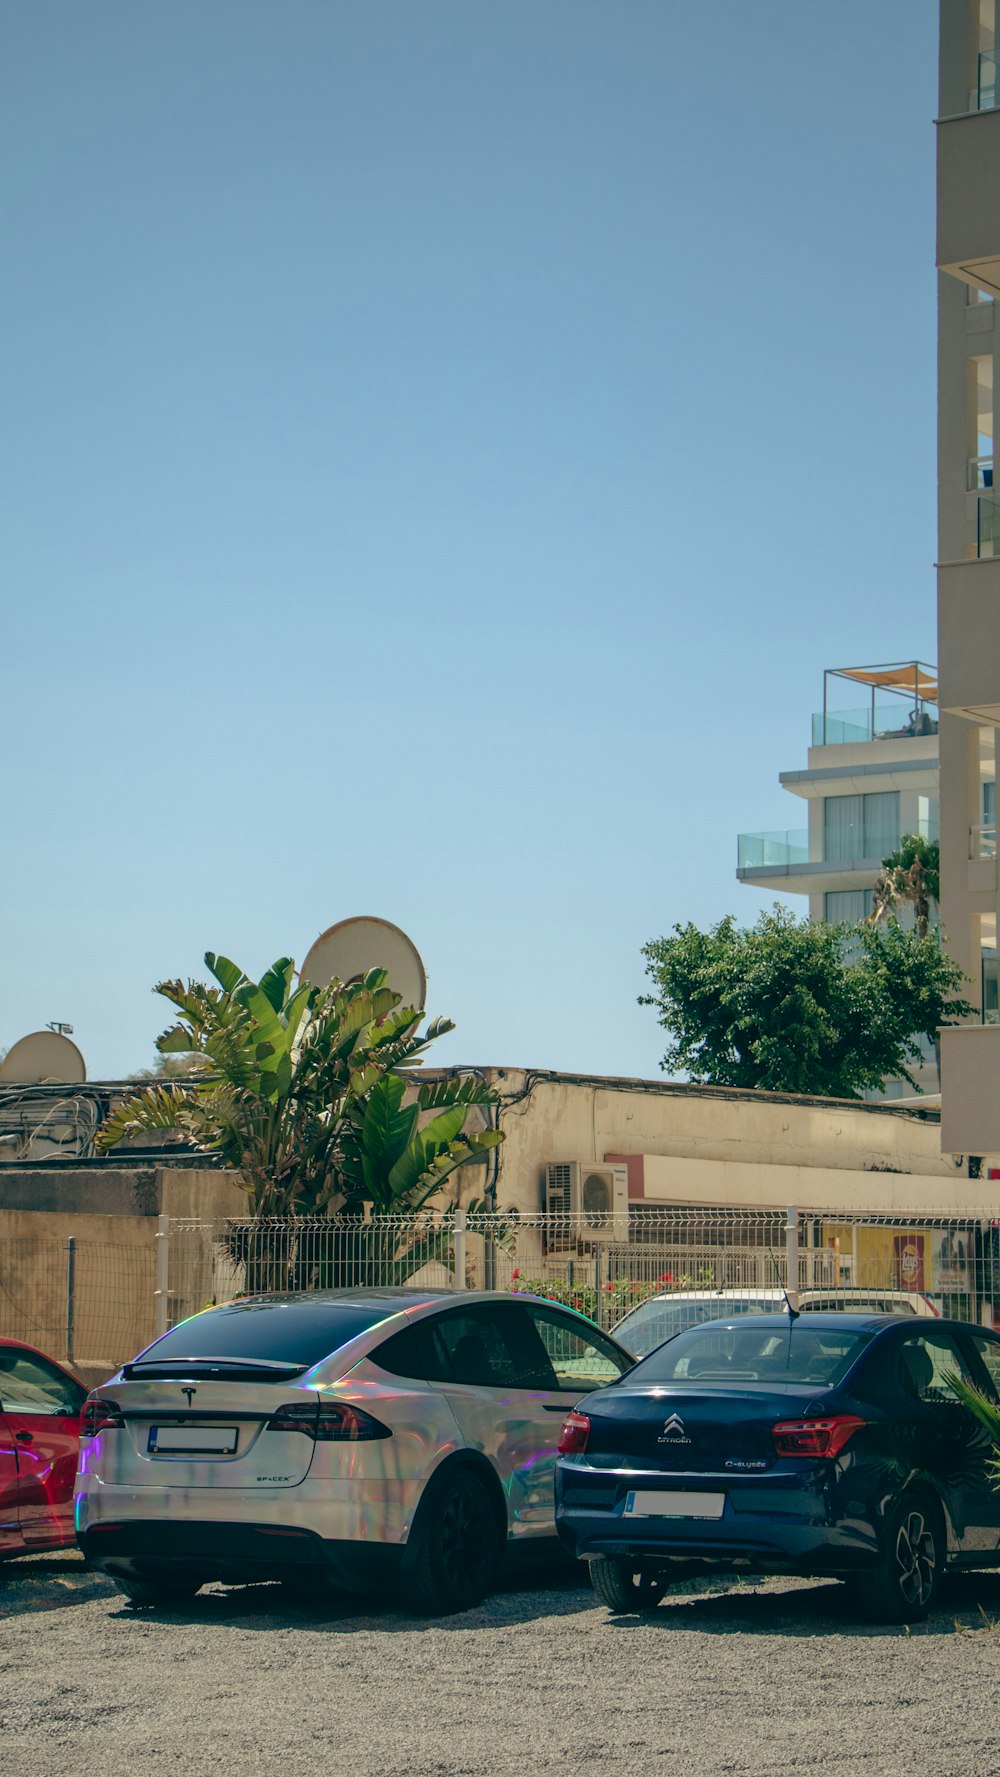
<point x="193" y="1440"/>
<point x="674" y="1505"/>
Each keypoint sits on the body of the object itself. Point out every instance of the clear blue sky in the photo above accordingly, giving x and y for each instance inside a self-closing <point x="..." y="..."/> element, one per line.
<point x="443" y="445"/>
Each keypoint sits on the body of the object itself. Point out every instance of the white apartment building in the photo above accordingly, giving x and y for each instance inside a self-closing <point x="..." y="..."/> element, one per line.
<point x="871" y="775"/>
<point x="968" y="258"/>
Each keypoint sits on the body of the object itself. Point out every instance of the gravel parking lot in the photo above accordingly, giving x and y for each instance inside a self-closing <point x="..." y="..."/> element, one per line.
<point x="751" y="1681"/>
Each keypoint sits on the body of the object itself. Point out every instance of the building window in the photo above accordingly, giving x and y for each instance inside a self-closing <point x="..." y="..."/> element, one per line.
<point x="860" y="826"/>
<point x="980" y="423"/>
<point x="846" y="904"/>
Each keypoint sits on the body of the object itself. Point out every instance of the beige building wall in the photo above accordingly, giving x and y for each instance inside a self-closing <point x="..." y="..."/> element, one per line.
<point x="968" y="257"/>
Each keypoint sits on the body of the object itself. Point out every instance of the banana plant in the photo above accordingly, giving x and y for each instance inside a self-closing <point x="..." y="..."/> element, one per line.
<point x="307" y="1093"/>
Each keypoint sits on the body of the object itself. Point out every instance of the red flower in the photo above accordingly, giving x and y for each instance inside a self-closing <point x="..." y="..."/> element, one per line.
<point x="514" y="1273"/>
<point x="664" y="1277"/>
<point x="609" y="1287"/>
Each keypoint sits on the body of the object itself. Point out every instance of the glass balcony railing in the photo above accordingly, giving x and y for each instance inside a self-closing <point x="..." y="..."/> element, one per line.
<point x="836" y="728"/>
<point x="757" y="851"/>
<point x="985" y="96"/>
<point x="987" y="529"/>
<point x="990" y="988"/>
<point x="983" y="840"/>
<point x="980" y="474"/>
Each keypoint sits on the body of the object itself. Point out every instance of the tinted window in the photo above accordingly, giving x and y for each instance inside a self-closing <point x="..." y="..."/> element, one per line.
<point x="651" y="1323"/>
<point x="282" y="1332"/>
<point x="989" y="1351"/>
<point x="495" y="1347"/>
<point x="724" y="1353"/>
<point x="29" y="1385"/>
<point x="417" y="1351"/>
<point x="581" y="1358"/>
<point x="925" y="1363"/>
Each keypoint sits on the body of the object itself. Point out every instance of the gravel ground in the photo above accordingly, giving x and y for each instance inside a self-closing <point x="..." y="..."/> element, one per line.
<point x="747" y="1680"/>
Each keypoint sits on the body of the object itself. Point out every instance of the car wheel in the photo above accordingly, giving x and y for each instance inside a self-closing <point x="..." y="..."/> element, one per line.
<point x="903" y="1584"/>
<point x="452" y="1557"/>
<point x="159" y="1588"/>
<point x="623" y="1587"/>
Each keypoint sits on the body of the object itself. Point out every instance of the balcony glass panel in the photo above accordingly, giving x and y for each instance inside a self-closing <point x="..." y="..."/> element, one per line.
<point x="756" y="851"/>
<point x="991" y="988"/>
<point x="983" y="840"/>
<point x="888" y="721"/>
<point x="986" y="89"/>
<point x="987" y="529"/>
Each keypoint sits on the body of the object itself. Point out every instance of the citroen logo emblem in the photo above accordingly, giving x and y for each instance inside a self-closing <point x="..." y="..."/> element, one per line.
<point x="673" y="1431"/>
<point x="189" y="1392"/>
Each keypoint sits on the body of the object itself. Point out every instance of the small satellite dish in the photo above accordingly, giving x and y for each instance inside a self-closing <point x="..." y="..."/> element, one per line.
<point x="42" y="1055"/>
<point x="353" y="946"/>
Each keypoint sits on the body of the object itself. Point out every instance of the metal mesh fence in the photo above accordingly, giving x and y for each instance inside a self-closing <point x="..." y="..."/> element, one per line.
<point x="96" y="1304"/>
<point x="605" y="1266"/>
<point x="89" y="1302"/>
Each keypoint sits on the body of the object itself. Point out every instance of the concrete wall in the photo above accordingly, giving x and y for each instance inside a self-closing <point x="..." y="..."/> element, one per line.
<point x="756" y="1140"/>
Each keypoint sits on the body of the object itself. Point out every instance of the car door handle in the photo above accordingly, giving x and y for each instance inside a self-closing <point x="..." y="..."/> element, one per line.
<point x="562" y="1410"/>
<point x="24" y="1437"/>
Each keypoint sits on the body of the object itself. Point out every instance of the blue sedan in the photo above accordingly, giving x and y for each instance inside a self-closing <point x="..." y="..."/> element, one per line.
<point x="815" y="1444"/>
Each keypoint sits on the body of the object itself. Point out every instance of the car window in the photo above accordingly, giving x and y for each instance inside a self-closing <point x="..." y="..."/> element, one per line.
<point x="989" y="1350"/>
<point x="29" y="1385"/>
<point x="926" y="1360"/>
<point x="417" y="1351"/>
<point x="283" y="1332"/>
<point x="494" y="1346"/>
<point x="580" y="1356"/>
<point x="652" y="1322"/>
<point x="722" y="1352"/>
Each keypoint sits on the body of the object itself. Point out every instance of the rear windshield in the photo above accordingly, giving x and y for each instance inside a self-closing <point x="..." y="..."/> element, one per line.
<point x="648" y="1326"/>
<point x="279" y="1332"/>
<point x="721" y="1353"/>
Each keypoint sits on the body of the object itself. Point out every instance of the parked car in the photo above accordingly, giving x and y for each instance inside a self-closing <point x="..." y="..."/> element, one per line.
<point x="362" y="1437"/>
<point x="660" y="1317"/>
<point x="40" y="1405"/>
<point x="830" y="1444"/>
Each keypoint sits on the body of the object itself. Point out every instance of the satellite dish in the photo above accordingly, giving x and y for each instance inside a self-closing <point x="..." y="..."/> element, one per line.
<point x="43" y="1055"/>
<point x="353" y="946"/>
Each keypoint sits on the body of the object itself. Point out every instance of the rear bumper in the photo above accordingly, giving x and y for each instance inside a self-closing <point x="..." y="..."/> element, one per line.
<point x="236" y="1552"/>
<point x="777" y="1523"/>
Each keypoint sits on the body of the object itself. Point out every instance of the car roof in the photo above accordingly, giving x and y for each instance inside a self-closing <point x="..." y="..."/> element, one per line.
<point x="838" y="1317"/>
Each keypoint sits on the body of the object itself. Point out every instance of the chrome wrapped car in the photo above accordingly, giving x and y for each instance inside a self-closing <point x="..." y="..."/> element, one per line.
<point x="361" y="1438"/>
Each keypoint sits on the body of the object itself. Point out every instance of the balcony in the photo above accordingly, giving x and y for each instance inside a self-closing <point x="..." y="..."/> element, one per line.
<point x="983" y="840"/>
<point x="901" y="703"/>
<point x="984" y="94"/>
<point x="968" y="188"/>
<point x="767" y="851"/>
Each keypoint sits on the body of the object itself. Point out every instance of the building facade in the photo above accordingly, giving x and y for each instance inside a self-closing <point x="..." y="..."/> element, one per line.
<point x="968" y="259"/>
<point x="871" y="776"/>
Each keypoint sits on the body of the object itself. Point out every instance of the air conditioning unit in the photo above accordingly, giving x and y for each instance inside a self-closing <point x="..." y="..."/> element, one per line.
<point x="584" y="1203"/>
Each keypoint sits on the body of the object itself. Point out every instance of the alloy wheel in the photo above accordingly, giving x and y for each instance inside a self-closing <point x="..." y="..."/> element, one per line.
<point x="465" y="1537"/>
<point x="916" y="1559"/>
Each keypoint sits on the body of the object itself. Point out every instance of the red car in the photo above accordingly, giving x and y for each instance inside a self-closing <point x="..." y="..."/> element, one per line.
<point x="40" y="1405"/>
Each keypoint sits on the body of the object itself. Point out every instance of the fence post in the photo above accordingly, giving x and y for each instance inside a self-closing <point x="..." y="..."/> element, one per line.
<point x="70" y="1294"/>
<point x="792" y="1255"/>
<point x="460" y="1249"/>
<point x="162" y="1293"/>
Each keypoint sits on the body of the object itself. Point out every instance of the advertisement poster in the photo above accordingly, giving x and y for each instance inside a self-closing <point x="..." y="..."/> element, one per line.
<point x="908" y="1258"/>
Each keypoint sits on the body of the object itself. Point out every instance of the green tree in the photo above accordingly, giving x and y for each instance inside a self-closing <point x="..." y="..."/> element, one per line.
<point x="309" y="1094"/>
<point x="795" y="1006"/>
<point x="909" y="877"/>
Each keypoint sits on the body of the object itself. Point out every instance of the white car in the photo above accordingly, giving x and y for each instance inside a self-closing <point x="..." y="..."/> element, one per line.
<point x="660" y="1317"/>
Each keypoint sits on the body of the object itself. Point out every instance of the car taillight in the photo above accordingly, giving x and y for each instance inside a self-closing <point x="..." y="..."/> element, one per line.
<point x="815" y="1437"/>
<point x="330" y="1421"/>
<point x="574" y="1434"/>
<point x="98" y="1416"/>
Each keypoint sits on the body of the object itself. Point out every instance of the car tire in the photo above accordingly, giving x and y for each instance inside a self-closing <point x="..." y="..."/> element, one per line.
<point x="453" y="1554"/>
<point x="625" y="1588"/>
<point x="903" y="1584"/>
<point x="164" y="1589"/>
